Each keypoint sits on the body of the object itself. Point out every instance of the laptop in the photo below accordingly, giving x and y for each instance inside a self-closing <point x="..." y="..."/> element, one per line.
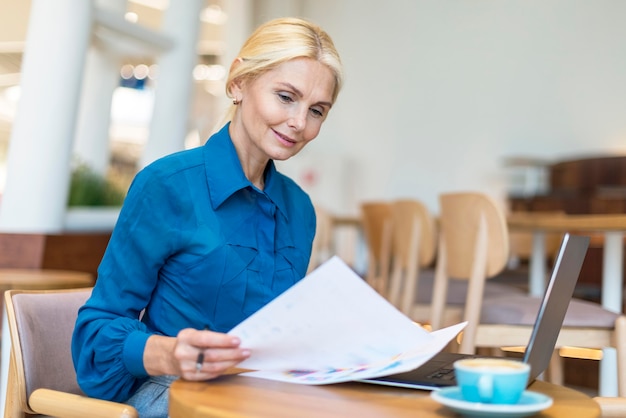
<point x="438" y="372"/>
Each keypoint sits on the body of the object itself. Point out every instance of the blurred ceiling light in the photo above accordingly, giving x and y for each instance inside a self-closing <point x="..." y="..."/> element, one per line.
<point x="126" y="72"/>
<point x="131" y="17"/>
<point x="213" y="14"/>
<point x="153" y="71"/>
<point x="141" y="71"/>
<point x="202" y="72"/>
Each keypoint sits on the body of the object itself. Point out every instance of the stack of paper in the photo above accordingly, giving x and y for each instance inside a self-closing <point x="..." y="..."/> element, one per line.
<point x="332" y="327"/>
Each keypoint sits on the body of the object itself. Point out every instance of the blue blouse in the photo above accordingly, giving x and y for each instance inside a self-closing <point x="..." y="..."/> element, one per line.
<point x="195" y="245"/>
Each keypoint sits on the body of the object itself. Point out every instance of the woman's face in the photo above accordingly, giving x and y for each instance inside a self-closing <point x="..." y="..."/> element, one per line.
<point x="283" y="109"/>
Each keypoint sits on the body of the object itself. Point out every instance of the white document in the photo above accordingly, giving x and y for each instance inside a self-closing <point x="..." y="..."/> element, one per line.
<point x="333" y="327"/>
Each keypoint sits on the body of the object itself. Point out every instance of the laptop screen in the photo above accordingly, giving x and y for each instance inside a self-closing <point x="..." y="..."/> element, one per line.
<point x="553" y="308"/>
<point x="437" y="372"/>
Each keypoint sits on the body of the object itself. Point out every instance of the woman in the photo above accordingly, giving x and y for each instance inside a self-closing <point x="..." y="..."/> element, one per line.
<point x="208" y="236"/>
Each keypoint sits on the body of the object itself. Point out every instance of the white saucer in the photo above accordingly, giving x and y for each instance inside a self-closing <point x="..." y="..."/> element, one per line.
<point x="530" y="403"/>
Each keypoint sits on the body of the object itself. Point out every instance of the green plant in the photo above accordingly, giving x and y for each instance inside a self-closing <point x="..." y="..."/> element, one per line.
<point x="88" y="188"/>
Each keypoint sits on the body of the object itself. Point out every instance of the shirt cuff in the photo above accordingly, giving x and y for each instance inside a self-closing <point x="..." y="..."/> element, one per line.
<point x="133" y="353"/>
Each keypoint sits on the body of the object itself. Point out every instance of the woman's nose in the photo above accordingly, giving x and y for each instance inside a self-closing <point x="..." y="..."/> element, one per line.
<point x="297" y="121"/>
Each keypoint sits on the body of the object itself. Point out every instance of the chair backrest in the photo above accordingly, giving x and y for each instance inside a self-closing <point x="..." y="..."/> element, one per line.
<point x="323" y="241"/>
<point x="41" y="325"/>
<point x="414" y="247"/>
<point x="473" y="245"/>
<point x="377" y="220"/>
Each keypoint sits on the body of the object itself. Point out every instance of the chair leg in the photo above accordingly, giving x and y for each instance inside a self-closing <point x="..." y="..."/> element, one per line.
<point x="555" y="369"/>
<point x="608" y="373"/>
<point x="620" y="344"/>
<point x="12" y="407"/>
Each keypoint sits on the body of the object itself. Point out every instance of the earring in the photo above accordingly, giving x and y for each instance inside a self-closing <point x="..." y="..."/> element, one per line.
<point x="236" y="101"/>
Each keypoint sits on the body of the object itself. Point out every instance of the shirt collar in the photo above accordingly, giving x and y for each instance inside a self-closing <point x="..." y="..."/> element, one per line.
<point x="225" y="175"/>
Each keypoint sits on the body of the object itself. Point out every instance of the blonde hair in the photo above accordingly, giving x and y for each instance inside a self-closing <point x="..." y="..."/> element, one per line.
<point x="281" y="40"/>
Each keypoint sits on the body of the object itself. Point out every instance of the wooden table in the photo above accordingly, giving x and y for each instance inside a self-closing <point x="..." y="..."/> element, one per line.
<point x="235" y="396"/>
<point x="613" y="228"/>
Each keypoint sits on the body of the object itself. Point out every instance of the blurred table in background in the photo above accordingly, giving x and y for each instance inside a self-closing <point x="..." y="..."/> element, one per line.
<point x="612" y="227"/>
<point x="76" y="251"/>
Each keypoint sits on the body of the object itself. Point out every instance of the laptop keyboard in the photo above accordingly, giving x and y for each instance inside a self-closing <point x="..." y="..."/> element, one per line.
<point x="445" y="373"/>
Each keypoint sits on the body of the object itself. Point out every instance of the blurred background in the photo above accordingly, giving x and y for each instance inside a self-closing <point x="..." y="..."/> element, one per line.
<point x="524" y="100"/>
<point x="440" y="95"/>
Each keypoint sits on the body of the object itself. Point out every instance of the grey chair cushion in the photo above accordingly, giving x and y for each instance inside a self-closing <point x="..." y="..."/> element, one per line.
<point x="45" y="323"/>
<point x="522" y="309"/>
<point x="457" y="289"/>
<point x="510" y="305"/>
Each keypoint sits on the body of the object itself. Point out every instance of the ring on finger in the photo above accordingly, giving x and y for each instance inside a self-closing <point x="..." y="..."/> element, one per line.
<point x="199" y="361"/>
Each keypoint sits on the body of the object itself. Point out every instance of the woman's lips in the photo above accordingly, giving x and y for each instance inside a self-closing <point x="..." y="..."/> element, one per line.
<point x="286" y="141"/>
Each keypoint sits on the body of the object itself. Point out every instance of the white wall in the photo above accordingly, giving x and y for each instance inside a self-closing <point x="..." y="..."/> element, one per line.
<point x="438" y="93"/>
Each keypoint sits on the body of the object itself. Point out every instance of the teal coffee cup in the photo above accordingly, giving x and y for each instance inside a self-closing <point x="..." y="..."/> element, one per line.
<point x="491" y="380"/>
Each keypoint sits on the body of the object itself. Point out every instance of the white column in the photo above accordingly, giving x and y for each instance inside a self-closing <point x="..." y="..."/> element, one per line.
<point x="168" y="127"/>
<point x="607" y="386"/>
<point x="92" y="145"/>
<point x="236" y="30"/>
<point x="537" y="279"/>
<point x="38" y="163"/>
<point x="612" y="271"/>
<point x="612" y="284"/>
<point x="38" y="172"/>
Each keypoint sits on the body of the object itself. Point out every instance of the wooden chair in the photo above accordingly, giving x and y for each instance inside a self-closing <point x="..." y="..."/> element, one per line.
<point x="43" y="279"/>
<point x="414" y="243"/>
<point x="474" y="245"/>
<point x="323" y="241"/>
<point x="32" y="279"/>
<point x="42" y="377"/>
<point x="611" y="407"/>
<point x="413" y="252"/>
<point x="377" y="221"/>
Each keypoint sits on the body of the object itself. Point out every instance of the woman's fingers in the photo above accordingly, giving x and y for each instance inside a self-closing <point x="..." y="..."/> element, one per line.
<point x="205" y="355"/>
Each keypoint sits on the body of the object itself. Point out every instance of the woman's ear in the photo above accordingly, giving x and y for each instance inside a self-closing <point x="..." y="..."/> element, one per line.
<point x="235" y="63"/>
<point x="236" y="83"/>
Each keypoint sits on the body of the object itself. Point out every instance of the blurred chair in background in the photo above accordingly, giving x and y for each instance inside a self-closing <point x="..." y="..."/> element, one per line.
<point x="612" y="407"/>
<point x="377" y="222"/>
<point x="474" y="246"/>
<point x="323" y="245"/>
<point x="414" y="244"/>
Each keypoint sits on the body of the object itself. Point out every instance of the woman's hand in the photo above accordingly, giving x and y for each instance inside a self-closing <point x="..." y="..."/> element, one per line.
<point x="205" y="355"/>
<point x="180" y="356"/>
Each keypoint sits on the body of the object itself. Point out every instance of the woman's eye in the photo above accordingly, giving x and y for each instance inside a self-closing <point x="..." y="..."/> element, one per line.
<point x="284" y="98"/>
<point x="317" y="113"/>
